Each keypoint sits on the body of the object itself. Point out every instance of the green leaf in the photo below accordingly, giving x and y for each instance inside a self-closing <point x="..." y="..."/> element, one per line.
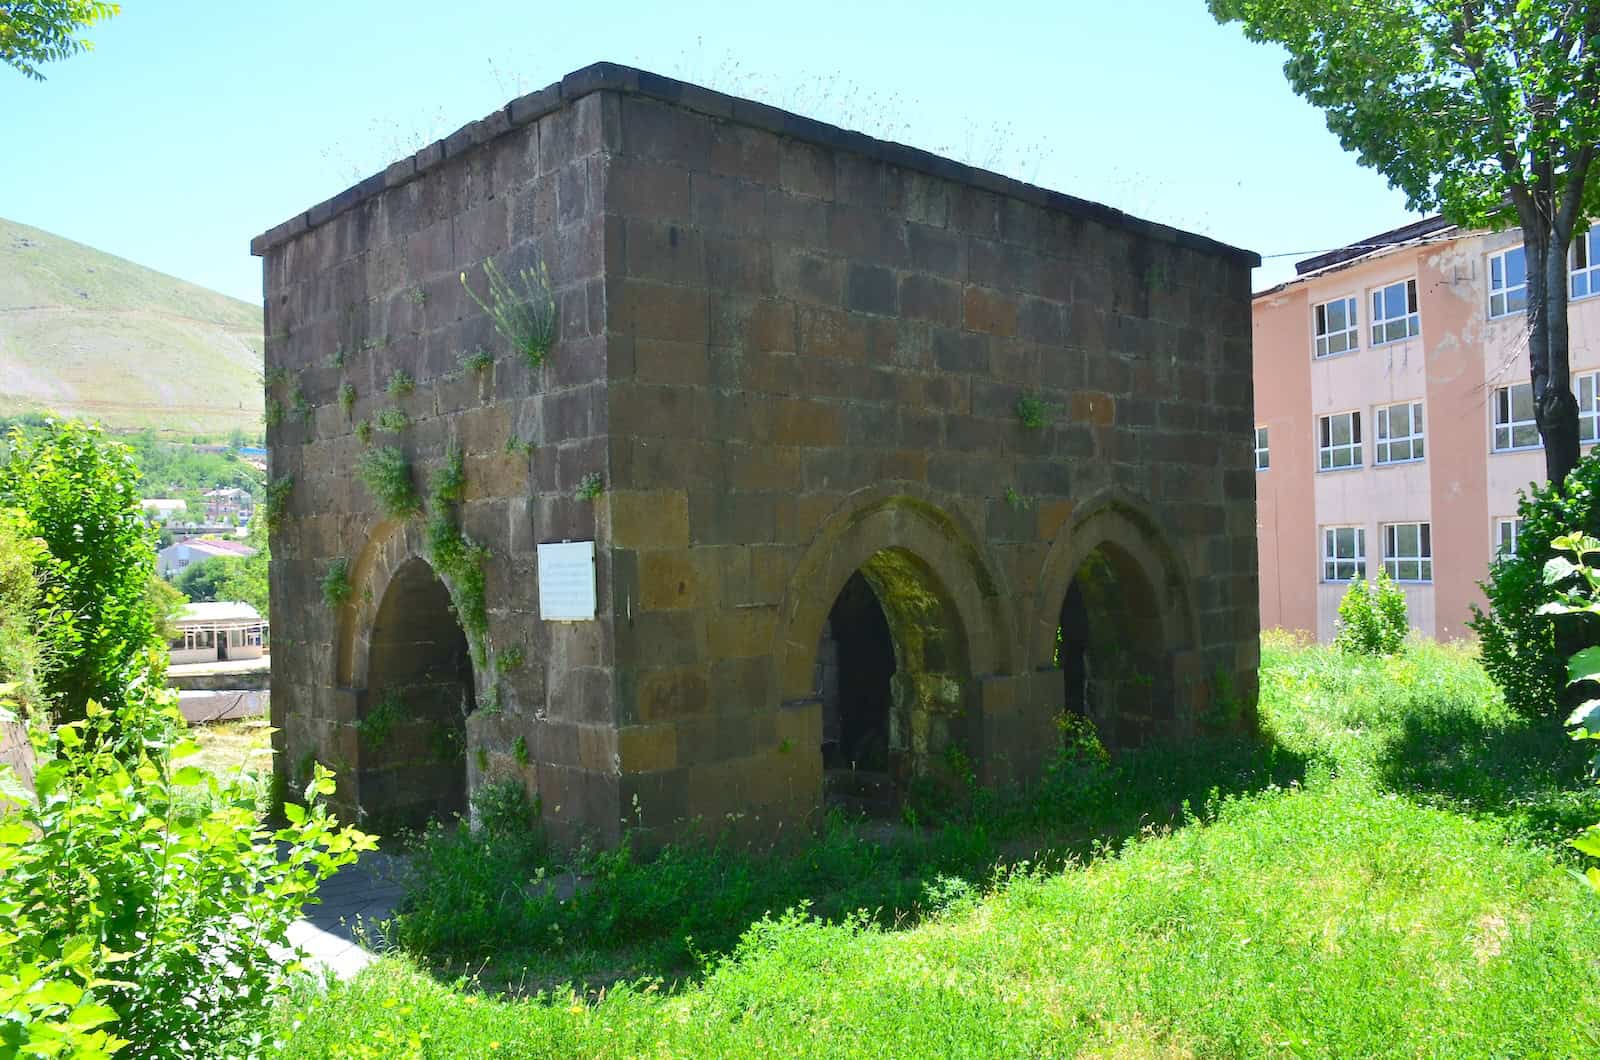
<point x="91" y="1015"/>
<point x="1584" y="666"/>
<point x="1588" y="842"/>
<point x="1559" y="569"/>
<point x="14" y="833"/>
<point x="1585" y="715"/>
<point x="188" y="777"/>
<point x="294" y="812"/>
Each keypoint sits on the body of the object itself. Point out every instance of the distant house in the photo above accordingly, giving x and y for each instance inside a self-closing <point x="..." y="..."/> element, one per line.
<point x="219" y="632"/>
<point x="228" y="505"/>
<point x="161" y="510"/>
<point x="176" y="557"/>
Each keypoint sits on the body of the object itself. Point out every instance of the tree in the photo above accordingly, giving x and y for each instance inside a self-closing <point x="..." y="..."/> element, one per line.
<point x="42" y="31"/>
<point x="201" y="581"/>
<point x="78" y="494"/>
<point x="1487" y="111"/>
<point x="246" y="579"/>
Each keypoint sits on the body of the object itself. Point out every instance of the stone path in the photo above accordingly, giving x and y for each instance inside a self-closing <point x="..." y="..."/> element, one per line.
<point x="341" y="932"/>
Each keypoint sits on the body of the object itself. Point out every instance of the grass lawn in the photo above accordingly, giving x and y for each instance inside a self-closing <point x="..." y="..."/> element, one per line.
<point x="1405" y="891"/>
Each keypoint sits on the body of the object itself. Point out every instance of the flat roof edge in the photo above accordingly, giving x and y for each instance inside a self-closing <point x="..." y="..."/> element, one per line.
<point x="614" y="77"/>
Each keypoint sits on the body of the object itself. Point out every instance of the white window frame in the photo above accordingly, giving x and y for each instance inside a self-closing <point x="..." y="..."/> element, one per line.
<point x="1263" y="450"/>
<point x="1335" y="561"/>
<point x="1329" y="450"/>
<point x="1503" y="437"/>
<point x="1586" y="387"/>
<point x="1386" y="443"/>
<point x="1506" y="298"/>
<point x="1324" y="339"/>
<point x="1409" y="322"/>
<point x="1506" y="532"/>
<point x="1583" y="267"/>
<point x="1395" y="562"/>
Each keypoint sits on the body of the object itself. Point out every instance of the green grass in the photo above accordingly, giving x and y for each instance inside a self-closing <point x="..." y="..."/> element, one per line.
<point x="1409" y="895"/>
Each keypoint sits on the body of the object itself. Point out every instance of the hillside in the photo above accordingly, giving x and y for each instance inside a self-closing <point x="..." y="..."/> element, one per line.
<point x="85" y="333"/>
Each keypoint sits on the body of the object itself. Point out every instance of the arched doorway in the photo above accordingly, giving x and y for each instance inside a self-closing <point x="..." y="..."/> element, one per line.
<point x="892" y="676"/>
<point x="411" y="723"/>
<point x="1110" y="648"/>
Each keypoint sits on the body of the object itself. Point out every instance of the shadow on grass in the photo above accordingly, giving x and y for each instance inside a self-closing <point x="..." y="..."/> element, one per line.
<point x="1526" y="774"/>
<point x="497" y="908"/>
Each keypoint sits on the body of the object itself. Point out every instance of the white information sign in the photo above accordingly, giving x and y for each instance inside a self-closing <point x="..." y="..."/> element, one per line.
<point x="566" y="582"/>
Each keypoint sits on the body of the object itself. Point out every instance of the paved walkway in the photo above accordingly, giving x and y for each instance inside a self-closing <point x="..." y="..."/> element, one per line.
<point x="341" y="931"/>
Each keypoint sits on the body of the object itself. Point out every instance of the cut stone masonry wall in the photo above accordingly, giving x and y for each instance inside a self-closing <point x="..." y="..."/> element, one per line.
<point x="790" y="353"/>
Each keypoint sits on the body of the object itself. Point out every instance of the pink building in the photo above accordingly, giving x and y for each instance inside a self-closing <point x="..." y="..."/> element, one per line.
<point x="1394" y="418"/>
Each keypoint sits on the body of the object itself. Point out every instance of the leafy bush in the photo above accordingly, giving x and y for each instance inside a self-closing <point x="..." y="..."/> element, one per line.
<point x="1523" y="651"/>
<point x="400" y="384"/>
<point x="130" y="908"/>
<point x="1372" y="618"/>
<point x="1034" y="412"/>
<point x="78" y="494"/>
<point x="387" y="473"/>
<point x="21" y="654"/>
<point x="1577" y="583"/>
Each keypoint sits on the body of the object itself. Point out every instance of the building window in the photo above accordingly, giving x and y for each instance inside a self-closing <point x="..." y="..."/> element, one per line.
<point x="1408" y="552"/>
<point x="1506" y="532"/>
<point x="1399" y="436"/>
<point x="1394" y="312"/>
<point x="1344" y="553"/>
<point x="1335" y="325"/>
<point x="1514" y="426"/>
<point x="1508" y="282"/>
<point x="1263" y="459"/>
<point x="1588" y="390"/>
<point x="1339" y="441"/>
<point x="1585" y="270"/>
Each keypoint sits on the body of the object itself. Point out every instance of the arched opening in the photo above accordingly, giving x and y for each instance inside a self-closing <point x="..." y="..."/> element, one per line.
<point x="411" y="725"/>
<point x="892" y="677"/>
<point x="1110" y="648"/>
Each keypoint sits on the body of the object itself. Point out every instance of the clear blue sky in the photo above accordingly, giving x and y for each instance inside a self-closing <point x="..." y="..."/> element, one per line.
<point x="194" y="125"/>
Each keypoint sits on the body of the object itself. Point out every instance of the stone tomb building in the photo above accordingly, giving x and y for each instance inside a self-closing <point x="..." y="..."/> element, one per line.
<point x="887" y="462"/>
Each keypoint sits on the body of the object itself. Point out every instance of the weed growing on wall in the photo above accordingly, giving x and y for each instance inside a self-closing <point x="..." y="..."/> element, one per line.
<point x="478" y="360"/>
<point x="1017" y="501"/>
<point x="275" y="506"/>
<point x="386" y="471"/>
<point x="393" y="420"/>
<point x="511" y="658"/>
<point x="382" y="719"/>
<point x="302" y="407"/>
<point x="400" y="384"/>
<point x="364" y="432"/>
<point x="525" y="318"/>
<point x="1034" y="413"/>
<point x="337" y="357"/>
<point x="347" y="397"/>
<point x="273" y="411"/>
<point x="336" y="583"/>
<point x="458" y="560"/>
<point x="591" y="486"/>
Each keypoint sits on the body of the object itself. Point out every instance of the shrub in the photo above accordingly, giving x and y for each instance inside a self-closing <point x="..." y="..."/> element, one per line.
<point x="1372" y="618"/>
<point x="132" y="909"/>
<point x="525" y="318"/>
<point x="1523" y="651"/>
<point x="347" y="397"/>
<point x="1577" y="585"/>
<point x="477" y="360"/>
<point x="78" y="494"/>
<point x="21" y="654"/>
<point x="387" y="473"/>
<point x="591" y="486"/>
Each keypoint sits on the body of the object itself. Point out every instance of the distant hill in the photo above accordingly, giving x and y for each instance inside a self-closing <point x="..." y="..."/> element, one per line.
<point x="87" y="334"/>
